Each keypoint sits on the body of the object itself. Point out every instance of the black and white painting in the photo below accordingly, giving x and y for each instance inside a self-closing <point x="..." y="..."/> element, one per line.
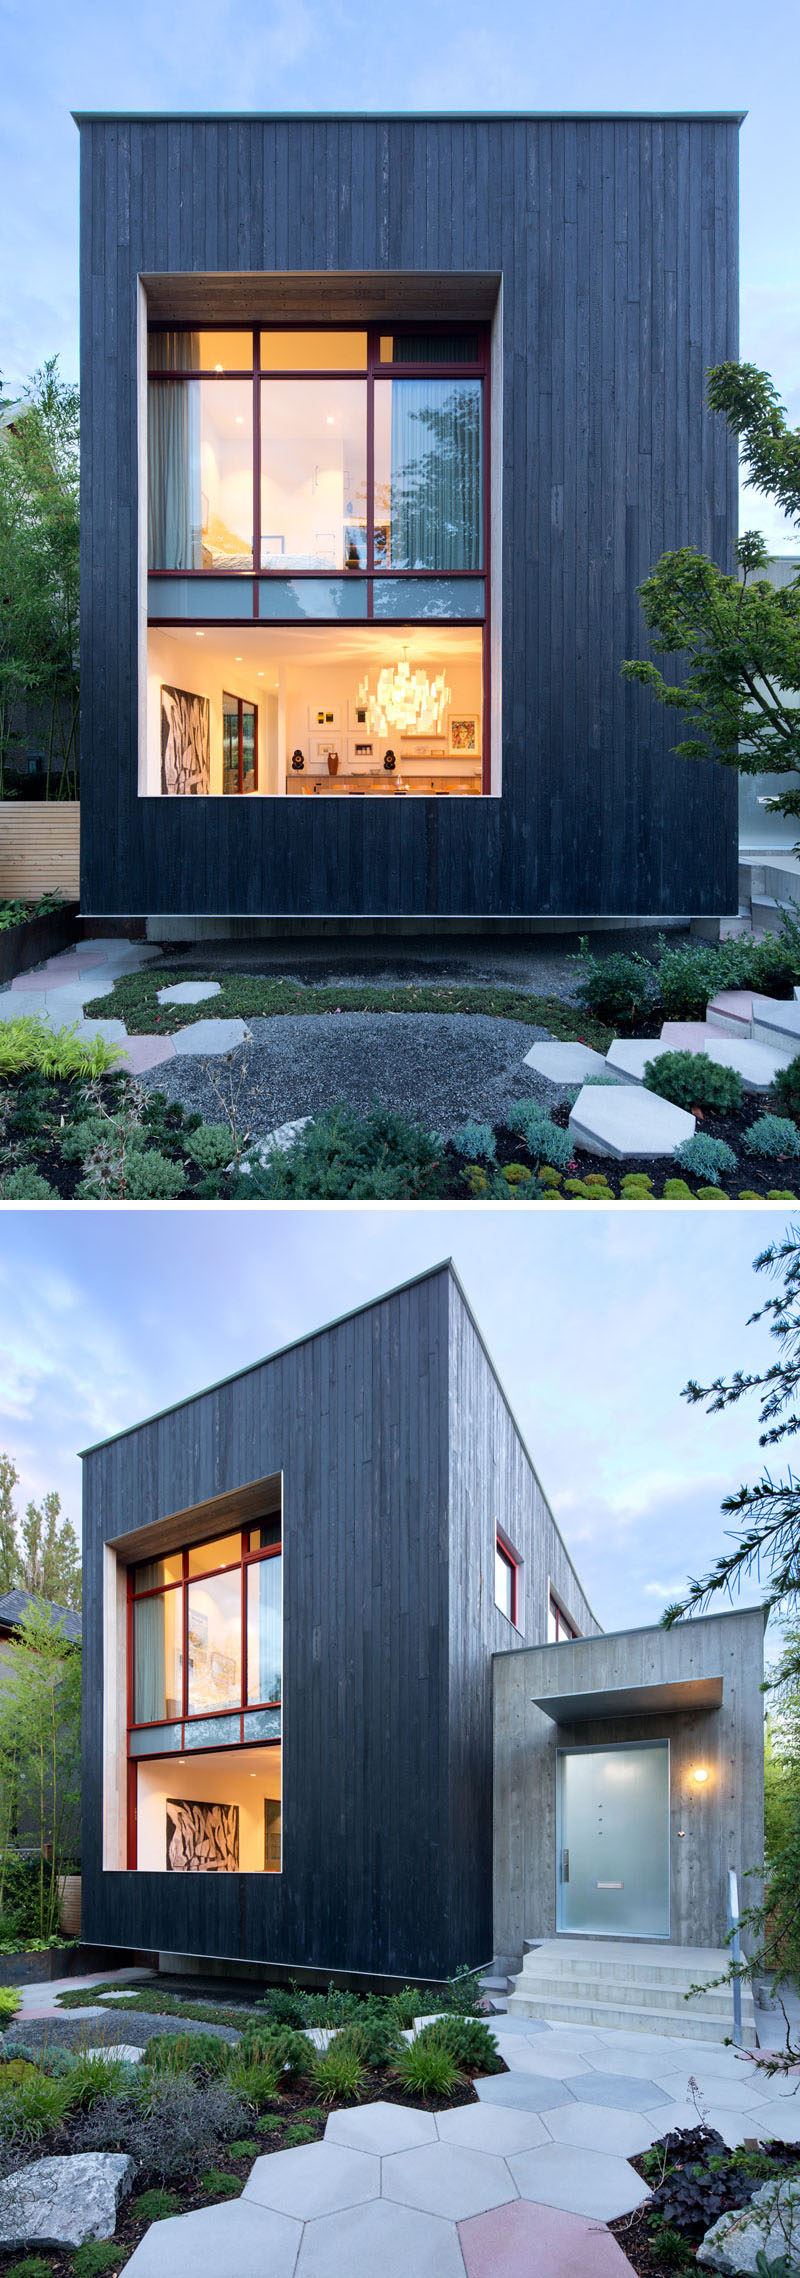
<point x="185" y="742"/>
<point x="202" y="1838"/>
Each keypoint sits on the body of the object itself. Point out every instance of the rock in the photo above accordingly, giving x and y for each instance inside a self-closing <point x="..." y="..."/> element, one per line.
<point x="769" y="2226"/>
<point x="63" y="2202"/>
<point x="276" y="1142"/>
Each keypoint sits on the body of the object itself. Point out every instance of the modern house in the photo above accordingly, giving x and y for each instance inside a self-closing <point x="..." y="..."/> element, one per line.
<point x="384" y="420"/>
<point x="303" y="1589"/>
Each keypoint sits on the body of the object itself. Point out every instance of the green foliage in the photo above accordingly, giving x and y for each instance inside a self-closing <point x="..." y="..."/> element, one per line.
<point x="201" y="2054"/>
<point x="154" y="2206"/>
<point x="92" y="2077"/>
<point x="545" y="1140"/>
<point x="705" y="1157"/>
<point x="32" y="2266"/>
<point x="346" y="1155"/>
<point x="676" y="1190"/>
<point x="211" y="1146"/>
<point x="691" y="1079"/>
<point x="300" y="2132"/>
<point x="288" y="2053"/>
<point x="425" y="2066"/>
<point x="40" y="1736"/>
<point x="771" y="1135"/>
<point x="462" y="1994"/>
<point x="255" y="996"/>
<point x="20" y="913"/>
<point x="471" y="2044"/>
<point x="340" y="2068"/>
<point x="131" y="1174"/>
<point x="98" y="2256"/>
<point x="476" y="1140"/>
<point x="255" y="2076"/>
<point x="618" y="989"/>
<point x="217" y="2185"/>
<point x="10" y="1998"/>
<point x="786" y="1085"/>
<point x="26" y="1185"/>
<point x="667" y="2246"/>
<point x="39" y="576"/>
<point x="31" y="2104"/>
<point x="247" y="2147"/>
<point x="32" y="1042"/>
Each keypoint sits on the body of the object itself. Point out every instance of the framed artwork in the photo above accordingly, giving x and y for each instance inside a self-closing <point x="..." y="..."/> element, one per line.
<point x="325" y="716"/>
<point x="272" y="1835"/>
<point x="358" y="716"/>
<point x="362" y="751"/>
<point x="202" y="1838"/>
<point x="464" y="740"/>
<point x="320" y="747"/>
<point x="185" y="743"/>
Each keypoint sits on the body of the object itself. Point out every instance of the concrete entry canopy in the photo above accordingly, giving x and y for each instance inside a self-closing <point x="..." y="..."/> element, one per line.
<point x="696" y="1686"/>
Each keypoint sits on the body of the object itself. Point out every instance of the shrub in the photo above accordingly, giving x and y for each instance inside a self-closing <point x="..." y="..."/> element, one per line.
<point x="780" y="1194"/>
<point x="300" y="2132"/>
<point x="32" y="2266"/>
<point x="10" y="1998"/>
<point x="340" y="2068"/>
<point x="676" y="1190"/>
<point x="135" y="1174"/>
<point x="255" y="2077"/>
<point x="425" y="2066"/>
<point x="476" y="1139"/>
<point x="544" y="1139"/>
<point x="31" y="1042"/>
<point x="154" y="2206"/>
<point x="405" y="2006"/>
<point x="786" y="1086"/>
<point x="26" y="1186"/>
<point x="472" y="2046"/>
<point x="706" y="1158"/>
<point x="246" y="2148"/>
<point x="617" y="989"/>
<point x="462" y="1994"/>
<point x="284" y="2005"/>
<point x="202" y="2054"/>
<point x="347" y="1156"/>
<point x="166" y="2124"/>
<point x="211" y="1146"/>
<point x="290" y="2053"/>
<point x="771" y="1135"/>
<point x="92" y="2077"/>
<point x="97" y="2256"/>
<point x="691" y="1079"/>
<point x="217" y="2185"/>
<point x="30" y="2105"/>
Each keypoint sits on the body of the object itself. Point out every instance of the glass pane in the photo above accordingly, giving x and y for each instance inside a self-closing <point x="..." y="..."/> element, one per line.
<point x="428" y="597"/>
<point x="312" y="597"/>
<point x="248" y="747"/>
<point x="230" y="743"/>
<point x="200" y="474"/>
<point x="156" y="1571"/>
<point x="503" y="1580"/>
<point x="215" y="1642"/>
<point x="200" y="351"/>
<point x="158" y="1657"/>
<point x="264" y="1628"/>
<point x="263" y="1537"/>
<point x="429" y="474"/>
<point x="614" y="1841"/>
<point x="224" y="1551"/>
<point x="262" y="1724"/>
<point x="313" y="351"/>
<point x="552" y="1624"/>
<point x="177" y="597"/>
<point x="313" y="474"/>
<point x="430" y="348"/>
<point x="213" y="1732"/>
<point x="272" y="1834"/>
<point x="165" y="1736"/>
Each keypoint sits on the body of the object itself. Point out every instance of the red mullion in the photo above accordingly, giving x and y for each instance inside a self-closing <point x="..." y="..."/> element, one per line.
<point x="373" y="349"/>
<point x="185" y="1684"/>
<point x="241" y="744"/>
<point x="243" y="1578"/>
<point x="486" y="760"/>
<point x="132" y="1813"/>
<point x="256" y="464"/>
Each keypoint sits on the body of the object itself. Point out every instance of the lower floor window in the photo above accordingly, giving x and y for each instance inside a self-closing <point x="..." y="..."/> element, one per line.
<point x="214" y="1812"/>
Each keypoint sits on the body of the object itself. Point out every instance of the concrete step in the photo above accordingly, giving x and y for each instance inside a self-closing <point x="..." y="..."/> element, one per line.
<point x="493" y="1984"/>
<point x="625" y="2016"/>
<point x="715" y="2002"/>
<point x="620" y="1961"/>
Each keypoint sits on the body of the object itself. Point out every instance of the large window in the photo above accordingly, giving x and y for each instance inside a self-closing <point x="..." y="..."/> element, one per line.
<point x="319" y="475"/>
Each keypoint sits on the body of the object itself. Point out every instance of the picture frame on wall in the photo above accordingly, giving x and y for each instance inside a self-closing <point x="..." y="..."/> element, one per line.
<point x="464" y="735"/>
<point x="185" y="743"/>
<point x="323" y="718"/>
<point x="201" y="1838"/>
<point x="358" y="717"/>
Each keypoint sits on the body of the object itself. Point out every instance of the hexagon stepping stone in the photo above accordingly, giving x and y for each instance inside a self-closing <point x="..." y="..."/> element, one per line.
<point x="600" y="2127"/>
<point x="496" y="2127"/>
<point x="621" y="2090"/>
<point x="627" y="1057"/>
<point x="524" y="2091"/>
<point x="208" y="1037"/>
<point x="242" y="2237"/>
<point x="582" y="2182"/>
<point x="776" y="1024"/>
<point x="565" y="1063"/>
<point x="523" y="2238"/>
<point x="445" y="2179"/>
<point x="63" y="2202"/>
<point x="383" y="2237"/>
<point x="757" y="1064"/>
<point x="625" y="1120"/>
<point x="315" y="2179"/>
<point x="731" y="1012"/>
<point x="189" y="992"/>
<point x="147" y="1052"/>
<point x="383" y="2128"/>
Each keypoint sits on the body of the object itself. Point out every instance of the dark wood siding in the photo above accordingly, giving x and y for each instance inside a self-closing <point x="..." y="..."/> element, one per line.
<point x="616" y="241"/>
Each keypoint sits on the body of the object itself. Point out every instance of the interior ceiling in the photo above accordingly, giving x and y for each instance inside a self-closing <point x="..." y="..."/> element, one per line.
<point x="367" y="645"/>
<point x="261" y="297"/>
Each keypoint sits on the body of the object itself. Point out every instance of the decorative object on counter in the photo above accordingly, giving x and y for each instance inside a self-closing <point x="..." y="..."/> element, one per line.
<point x="333" y="762"/>
<point x="298" y="762"/>
<point x="406" y="700"/>
<point x="389" y="762"/>
<point x="464" y="739"/>
<point x="351" y="560"/>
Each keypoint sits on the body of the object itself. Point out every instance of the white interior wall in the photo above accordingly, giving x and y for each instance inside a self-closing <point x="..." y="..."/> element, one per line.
<point x="181" y="659"/>
<point x="230" y="1775"/>
<point x="334" y="687"/>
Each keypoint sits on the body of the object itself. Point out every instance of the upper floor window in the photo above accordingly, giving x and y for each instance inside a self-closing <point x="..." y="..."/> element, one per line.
<point x="559" y="1626"/>
<point x="206" y="1643"/>
<point x="505" y="1580"/>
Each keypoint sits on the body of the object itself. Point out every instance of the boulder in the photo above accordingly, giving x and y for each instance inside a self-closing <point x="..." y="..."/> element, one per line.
<point x="769" y="2226"/>
<point x="63" y="2202"/>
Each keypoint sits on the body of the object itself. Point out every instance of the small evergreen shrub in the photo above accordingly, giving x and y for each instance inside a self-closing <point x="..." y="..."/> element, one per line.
<point x="247" y="2148"/>
<point x="300" y="2132"/>
<point x="425" y="2066"/>
<point x="154" y="2206"/>
<point x="340" y="2068"/>
<point x="290" y="2053"/>
<point x="145" y="1176"/>
<point x="26" y="1185"/>
<point x="676" y="1190"/>
<point x="786" y="1086"/>
<point x="637" y="1181"/>
<point x="217" y="2185"/>
<point x="476" y="1140"/>
<point x="462" y="1994"/>
<point x="691" y="1079"/>
<point x="341" y="1155"/>
<point x="544" y="1139"/>
<point x="283" y="2005"/>
<point x="617" y="989"/>
<point x="706" y="1158"/>
<point x="97" y="2256"/>
<point x="201" y="2054"/>
<point x="771" y="1135"/>
<point x="211" y="1146"/>
<point x="471" y="2045"/>
<point x="780" y="1194"/>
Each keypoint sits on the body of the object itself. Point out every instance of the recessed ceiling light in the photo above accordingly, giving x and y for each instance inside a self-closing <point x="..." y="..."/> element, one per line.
<point x="329" y="421"/>
<point x="218" y="367"/>
<point x="199" y="636"/>
<point x="240" y="419"/>
<point x="259" y="676"/>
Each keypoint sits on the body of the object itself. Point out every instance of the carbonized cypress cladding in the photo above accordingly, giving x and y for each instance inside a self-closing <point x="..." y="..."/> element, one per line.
<point x="616" y="242"/>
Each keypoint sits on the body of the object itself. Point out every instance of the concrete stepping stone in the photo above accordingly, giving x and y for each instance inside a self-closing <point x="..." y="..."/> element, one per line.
<point x="731" y="1012"/>
<point x="547" y="2063"/>
<point x="627" y="1057"/>
<point x="63" y="2202"/>
<point x="525" y="2240"/>
<point x="496" y="2127"/>
<point x="776" y="1024"/>
<point x="241" y="2237"/>
<point x="524" y="2091"/>
<point x="621" y="2091"/>
<point x="189" y="992"/>
<point x="598" y="2127"/>
<point x="446" y="2179"/>
<point x="315" y="2179"/>
<point x="757" y="1064"/>
<point x="565" y="1063"/>
<point x="206" y="1038"/>
<point x="395" y="2241"/>
<point x="583" y="2183"/>
<point x="382" y="2128"/>
<point x="147" y="1052"/>
<point x="625" y="1120"/>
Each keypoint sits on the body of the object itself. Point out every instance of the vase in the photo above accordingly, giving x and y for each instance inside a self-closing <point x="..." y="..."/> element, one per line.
<point x="333" y="763"/>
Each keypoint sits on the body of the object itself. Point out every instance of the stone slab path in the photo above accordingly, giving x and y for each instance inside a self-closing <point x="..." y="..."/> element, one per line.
<point x="524" y="2181"/>
<point x="60" y="989"/>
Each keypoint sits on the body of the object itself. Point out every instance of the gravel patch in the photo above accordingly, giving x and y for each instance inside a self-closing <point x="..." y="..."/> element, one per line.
<point x="437" y="1067"/>
<point x="76" y="2026"/>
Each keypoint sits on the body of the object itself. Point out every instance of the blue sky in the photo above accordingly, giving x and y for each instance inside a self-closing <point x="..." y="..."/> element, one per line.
<point x="595" y="1321"/>
<point x="365" y="55"/>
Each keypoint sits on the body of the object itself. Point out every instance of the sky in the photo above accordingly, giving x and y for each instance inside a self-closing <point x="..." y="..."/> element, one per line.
<point x="595" y="1321"/>
<point x="364" y="55"/>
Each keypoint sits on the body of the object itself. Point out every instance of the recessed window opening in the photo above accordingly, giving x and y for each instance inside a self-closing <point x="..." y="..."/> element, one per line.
<point x="559" y="1626"/>
<point x="506" y="1580"/>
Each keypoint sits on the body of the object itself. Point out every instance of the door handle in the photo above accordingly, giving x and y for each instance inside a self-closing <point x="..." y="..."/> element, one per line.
<point x="565" y="1866"/>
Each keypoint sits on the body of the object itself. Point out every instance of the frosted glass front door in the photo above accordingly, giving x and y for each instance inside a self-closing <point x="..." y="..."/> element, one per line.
<point x="613" y="1852"/>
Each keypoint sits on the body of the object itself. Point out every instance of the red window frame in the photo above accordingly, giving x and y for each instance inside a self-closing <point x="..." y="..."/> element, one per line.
<point x="507" y="1556"/>
<point x="376" y="370"/>
<point x="565" y="1629"/>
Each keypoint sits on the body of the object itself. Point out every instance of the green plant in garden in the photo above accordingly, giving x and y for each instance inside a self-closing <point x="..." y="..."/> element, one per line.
<point x="300" y="2132"/>
<point x="691" y="1079"/>
<point x="544" y="1139"/>
<point x="217" y="2185"/>
<point x="128" y="1172"/>
<point x="99" y="2256"/>
<point x="256" y="2076"/>
<point x="154" y="2206"/>
<point x="476" y="1139"/>
<point x="31" y="2104"/>
<point x="340" y="2068"/>
<point x="20" y="913"/>
<point x="676" y="1190"/>
<point x="471" y="2044"/>
<point x="346" y="1155"/>
<point x="60" y="1053"/>
<point x="786" y="1086"/>
<point x="425" y="2066"/>
<point x="771" y="1135"/>
<point x="618" y="990"/>
<point x="247" y="2147"/>
<point x="39" y="573"/>
<point x="211" y="1146"/>
<point x="200" y="2053"/>
<point x="10" y="1998"/>
<point x="40" y="1740"/>
<point x="289" y="2053"/>
<point x="705" y="1157"/>
<point x="26" y="1185"/>
<point x="32" y="2266"/>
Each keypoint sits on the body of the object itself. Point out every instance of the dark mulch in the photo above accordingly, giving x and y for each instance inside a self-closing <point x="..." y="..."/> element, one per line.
<point x="633" y="2234"/>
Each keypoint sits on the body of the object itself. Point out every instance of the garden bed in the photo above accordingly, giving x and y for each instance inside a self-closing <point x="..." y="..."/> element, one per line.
<point x="32" y="939"/>
<point x="694" y="2179"/>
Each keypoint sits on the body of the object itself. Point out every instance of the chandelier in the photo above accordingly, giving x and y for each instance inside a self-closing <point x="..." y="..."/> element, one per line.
<point x="405" y="700"/>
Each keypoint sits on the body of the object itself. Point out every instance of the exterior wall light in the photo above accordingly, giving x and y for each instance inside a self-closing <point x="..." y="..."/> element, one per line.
<point x="700" y="1775"/>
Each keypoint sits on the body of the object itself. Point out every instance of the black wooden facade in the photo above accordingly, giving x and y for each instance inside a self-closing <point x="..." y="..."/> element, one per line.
<point x="399" y="1457"/>
<point x="606" y="249"/>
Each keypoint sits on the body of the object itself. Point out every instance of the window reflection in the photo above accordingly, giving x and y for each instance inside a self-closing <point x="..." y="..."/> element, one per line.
<point x="158" y="1657"/>
<point x="264" y="1630"/>
<point x="429" y="474"/>
<point x="214" y="1641"/>
<point x="200" y="492"/>
<point x="313" y="474"/>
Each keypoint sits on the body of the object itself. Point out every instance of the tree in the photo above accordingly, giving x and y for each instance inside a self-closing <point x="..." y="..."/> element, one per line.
<point x="40" y="1748"/>
<point x="740" y="635"/>
<point x="40" y="1552"/>
<point x="39" y="573"/>
<point x="9" y="1547"/>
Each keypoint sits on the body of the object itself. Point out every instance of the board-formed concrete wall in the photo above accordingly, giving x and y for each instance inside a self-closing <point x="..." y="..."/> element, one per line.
<point x="712" y="1827"/>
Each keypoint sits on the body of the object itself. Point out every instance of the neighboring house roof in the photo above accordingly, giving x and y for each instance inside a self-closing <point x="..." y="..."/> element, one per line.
<point x="14" y="1605"/>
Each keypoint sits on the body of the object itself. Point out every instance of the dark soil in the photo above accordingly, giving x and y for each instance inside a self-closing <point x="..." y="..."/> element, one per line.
<point x="633" y="2233"/>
